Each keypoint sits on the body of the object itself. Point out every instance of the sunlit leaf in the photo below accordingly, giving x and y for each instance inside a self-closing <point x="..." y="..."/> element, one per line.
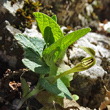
<point x="55" y="52"/>
<point x="49" y="28"/>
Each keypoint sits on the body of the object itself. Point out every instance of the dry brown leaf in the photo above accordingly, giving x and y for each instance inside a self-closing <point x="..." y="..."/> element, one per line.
<point x="14" y="85"/>
<point x="72" y="105"/>
<point x="53" y="102"/>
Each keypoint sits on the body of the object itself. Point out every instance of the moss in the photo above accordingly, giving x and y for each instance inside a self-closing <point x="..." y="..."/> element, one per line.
<point x="13" y="2"/>
<point x="25" y="14"/>
<point x="67" y="30"/>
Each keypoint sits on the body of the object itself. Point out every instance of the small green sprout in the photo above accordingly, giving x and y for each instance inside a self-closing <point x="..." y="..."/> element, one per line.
<point x="48" y="61"/>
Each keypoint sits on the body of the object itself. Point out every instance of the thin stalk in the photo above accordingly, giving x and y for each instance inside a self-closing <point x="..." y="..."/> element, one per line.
<point x="33" y="92"/>
<point x="63" y="74"/>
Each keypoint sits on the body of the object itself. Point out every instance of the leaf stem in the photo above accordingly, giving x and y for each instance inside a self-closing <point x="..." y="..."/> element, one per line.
<point x="63" y="74"/>
<point x="33" y="92"/>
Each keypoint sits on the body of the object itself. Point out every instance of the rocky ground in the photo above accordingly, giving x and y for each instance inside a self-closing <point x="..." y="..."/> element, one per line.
<point x="92" y="86"/>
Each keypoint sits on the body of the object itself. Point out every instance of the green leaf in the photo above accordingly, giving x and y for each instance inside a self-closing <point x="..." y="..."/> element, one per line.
<point x="58" y="88"/>
<point x="75" y="97"/>
<point x="57" y="50"/>
<point x="48" y="27"/>
<point x="54" y="17"/>
<point x="56" y="64"/>
<point x="64" y="89"/>
<point x="24" y="86"/>
<point x="33" y="47"/>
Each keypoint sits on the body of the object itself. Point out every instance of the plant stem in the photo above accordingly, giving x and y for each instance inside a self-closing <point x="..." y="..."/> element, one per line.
<point x="63" y="74"/>
<point x="33" y="92"/>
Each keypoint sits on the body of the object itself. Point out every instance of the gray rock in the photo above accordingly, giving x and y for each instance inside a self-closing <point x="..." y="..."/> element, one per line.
<point x="97" y="42"/>
<point x="10" y="51"/>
